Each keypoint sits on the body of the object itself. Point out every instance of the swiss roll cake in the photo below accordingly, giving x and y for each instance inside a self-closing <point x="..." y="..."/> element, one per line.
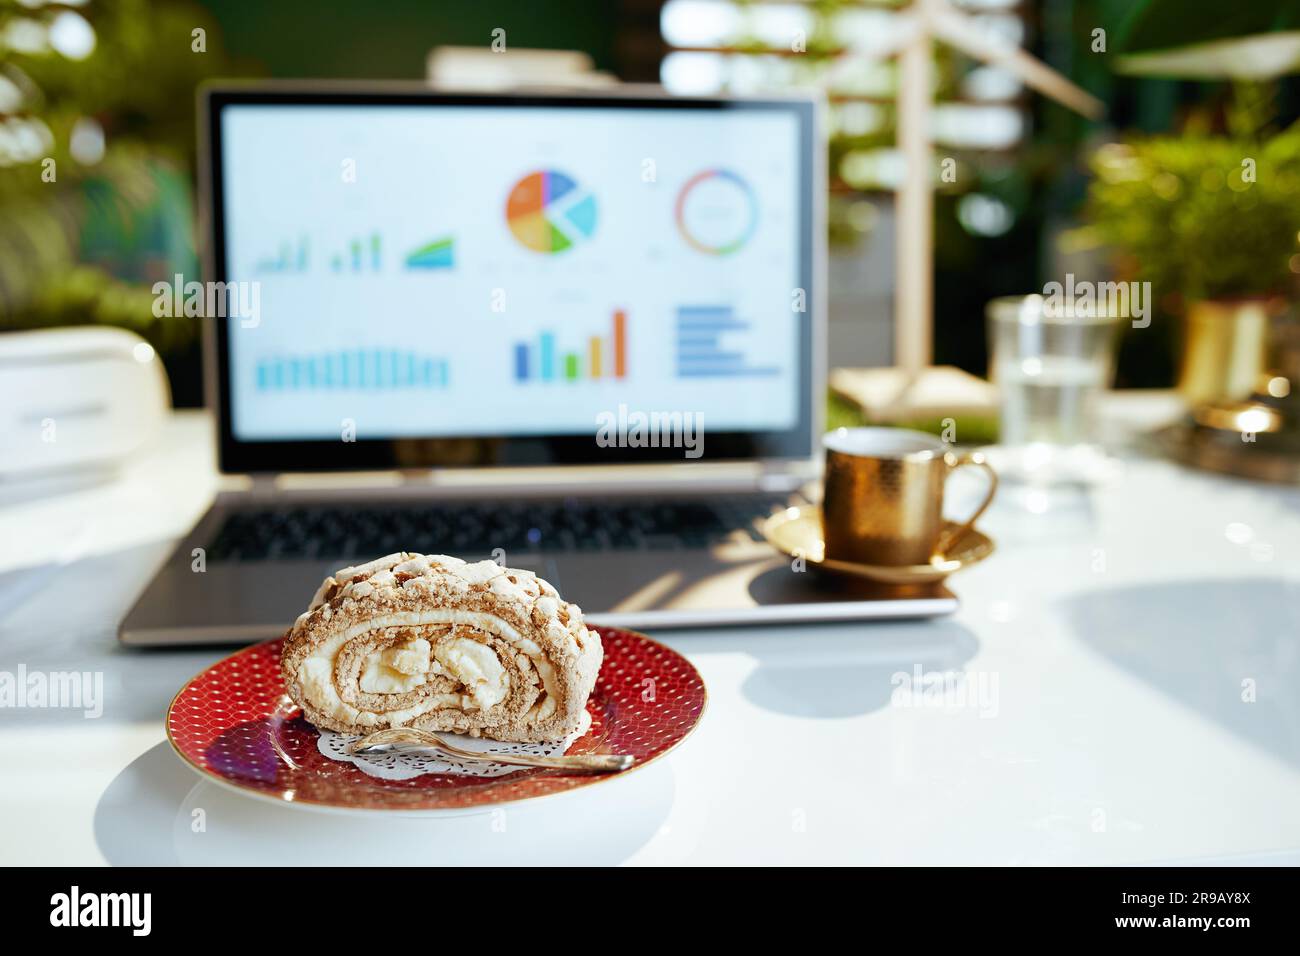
<point x="430" y="641"/>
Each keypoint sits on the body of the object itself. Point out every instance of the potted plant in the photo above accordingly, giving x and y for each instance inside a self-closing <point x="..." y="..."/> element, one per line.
<point x="1211" y="221"/>
<point x="1210" y="217"/>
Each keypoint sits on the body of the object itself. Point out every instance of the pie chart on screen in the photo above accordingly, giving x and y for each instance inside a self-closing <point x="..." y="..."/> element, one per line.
<point x="548" y="212"/>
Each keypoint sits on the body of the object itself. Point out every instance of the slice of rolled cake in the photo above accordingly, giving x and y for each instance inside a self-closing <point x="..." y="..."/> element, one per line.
<point x="429" y="641"/>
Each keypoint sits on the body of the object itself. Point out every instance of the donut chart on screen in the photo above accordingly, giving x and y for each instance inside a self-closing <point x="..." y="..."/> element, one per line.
<point x="549" y="212"/>
<point x="716" y="212"/>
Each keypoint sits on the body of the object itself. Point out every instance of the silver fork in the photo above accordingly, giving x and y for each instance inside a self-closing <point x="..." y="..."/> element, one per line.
<point x="400" y="739"/>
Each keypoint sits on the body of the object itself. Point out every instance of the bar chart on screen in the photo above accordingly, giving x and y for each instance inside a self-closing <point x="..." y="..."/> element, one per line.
<point x="707" y="337"/>
<point x="601" y="357"/>
<point x="353" y="369"/>
<point x="362" y="254"/>
<point x="291" y="257"/>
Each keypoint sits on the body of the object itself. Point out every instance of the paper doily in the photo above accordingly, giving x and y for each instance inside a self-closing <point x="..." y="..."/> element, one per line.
<point x="405" y="766"/>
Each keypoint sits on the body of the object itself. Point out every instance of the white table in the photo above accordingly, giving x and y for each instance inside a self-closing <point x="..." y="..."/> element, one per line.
<point x="1111" y="635"/>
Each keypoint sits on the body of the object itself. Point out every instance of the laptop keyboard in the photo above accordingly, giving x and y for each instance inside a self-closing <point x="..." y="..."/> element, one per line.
<point x="473" y="529"/>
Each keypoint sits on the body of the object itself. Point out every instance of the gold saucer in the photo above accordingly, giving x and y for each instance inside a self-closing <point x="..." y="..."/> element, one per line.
<point x="797" y="532"/>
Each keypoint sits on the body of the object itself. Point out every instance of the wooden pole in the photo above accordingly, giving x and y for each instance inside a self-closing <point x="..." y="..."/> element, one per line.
<point x="914" y="211"/>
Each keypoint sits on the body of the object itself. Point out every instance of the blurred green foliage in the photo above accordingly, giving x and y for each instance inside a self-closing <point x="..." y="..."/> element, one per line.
<point x="96" y="144"/>
<point x="972" y="429"/>
<point x="1165" y="24"/>
<point x="1199" y="214"/>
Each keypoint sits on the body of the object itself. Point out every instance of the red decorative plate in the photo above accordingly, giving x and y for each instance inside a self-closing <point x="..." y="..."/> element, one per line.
<point x="234" y="724"/>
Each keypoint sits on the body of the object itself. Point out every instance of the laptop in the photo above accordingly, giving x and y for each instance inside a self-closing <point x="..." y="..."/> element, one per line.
<point x="577" y="334"/>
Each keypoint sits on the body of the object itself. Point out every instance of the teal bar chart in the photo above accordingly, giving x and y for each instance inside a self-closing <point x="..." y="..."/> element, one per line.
<point x="359" y="369"/>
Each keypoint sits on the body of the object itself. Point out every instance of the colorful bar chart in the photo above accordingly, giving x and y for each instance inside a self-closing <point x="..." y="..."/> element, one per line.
<point x="605" y="357"/>
<point x="359" y="369"/>
<point x="362" y="253"/>
<point x="291" y="258"/>
<point x="700" y="349"/>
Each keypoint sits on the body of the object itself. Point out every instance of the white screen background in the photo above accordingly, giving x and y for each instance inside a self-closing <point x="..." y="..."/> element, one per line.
<point x="424" y="173"/>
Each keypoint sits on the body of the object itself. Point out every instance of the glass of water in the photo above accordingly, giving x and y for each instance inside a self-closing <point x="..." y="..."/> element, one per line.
<point x="1051" y="363"/>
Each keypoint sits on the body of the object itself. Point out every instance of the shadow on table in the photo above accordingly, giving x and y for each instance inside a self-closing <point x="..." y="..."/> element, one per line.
<point x="842" y="670"/>
<point x="158" y="812"/>
<point x="1228" y="649"/>
<point x="93" y="591"/>
<point x="63" y="618"/>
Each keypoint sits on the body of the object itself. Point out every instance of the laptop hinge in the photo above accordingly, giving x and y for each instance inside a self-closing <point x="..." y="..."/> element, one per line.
<point x="418" y="477"/>
<point x="261" y="487"/>
<point x="780" y="477"/>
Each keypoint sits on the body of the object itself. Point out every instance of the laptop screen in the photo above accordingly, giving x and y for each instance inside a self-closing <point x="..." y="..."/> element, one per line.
<point x="530" y="277"/>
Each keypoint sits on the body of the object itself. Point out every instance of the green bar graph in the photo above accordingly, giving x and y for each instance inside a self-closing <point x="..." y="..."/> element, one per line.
<point x="288" y="259"/>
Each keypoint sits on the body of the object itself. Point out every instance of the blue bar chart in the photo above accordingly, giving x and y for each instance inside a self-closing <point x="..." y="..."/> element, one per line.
<point x="360" y="254"/>
<point x="292" y="257"/>
<point x="359" y="369"/>
<point x="363" y="254"/>
<point x="701" y="352"/>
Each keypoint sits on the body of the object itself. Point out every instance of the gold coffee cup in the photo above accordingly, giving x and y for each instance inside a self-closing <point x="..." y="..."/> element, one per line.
<point x="883" y="497"/>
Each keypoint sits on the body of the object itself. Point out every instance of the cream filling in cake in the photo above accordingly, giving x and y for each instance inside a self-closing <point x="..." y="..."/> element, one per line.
<point x="398" y="669"/>
<point x="404" y="667"/>
<point x="476" y="666"/>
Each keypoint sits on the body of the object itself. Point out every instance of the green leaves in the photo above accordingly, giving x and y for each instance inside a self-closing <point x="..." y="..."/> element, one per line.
<point x="1199" y="215"/>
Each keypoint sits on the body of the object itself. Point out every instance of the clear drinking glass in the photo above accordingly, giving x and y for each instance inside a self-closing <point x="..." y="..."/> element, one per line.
<point x="1051" y="365"/>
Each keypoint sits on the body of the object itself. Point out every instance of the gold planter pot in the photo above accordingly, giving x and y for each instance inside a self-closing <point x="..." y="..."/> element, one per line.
<point x="1224" y="348"/>
<point x="1251" y="432"/>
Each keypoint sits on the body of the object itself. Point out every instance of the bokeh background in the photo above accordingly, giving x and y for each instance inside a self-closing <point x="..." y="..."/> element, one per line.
<point x="106" y="91"/>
